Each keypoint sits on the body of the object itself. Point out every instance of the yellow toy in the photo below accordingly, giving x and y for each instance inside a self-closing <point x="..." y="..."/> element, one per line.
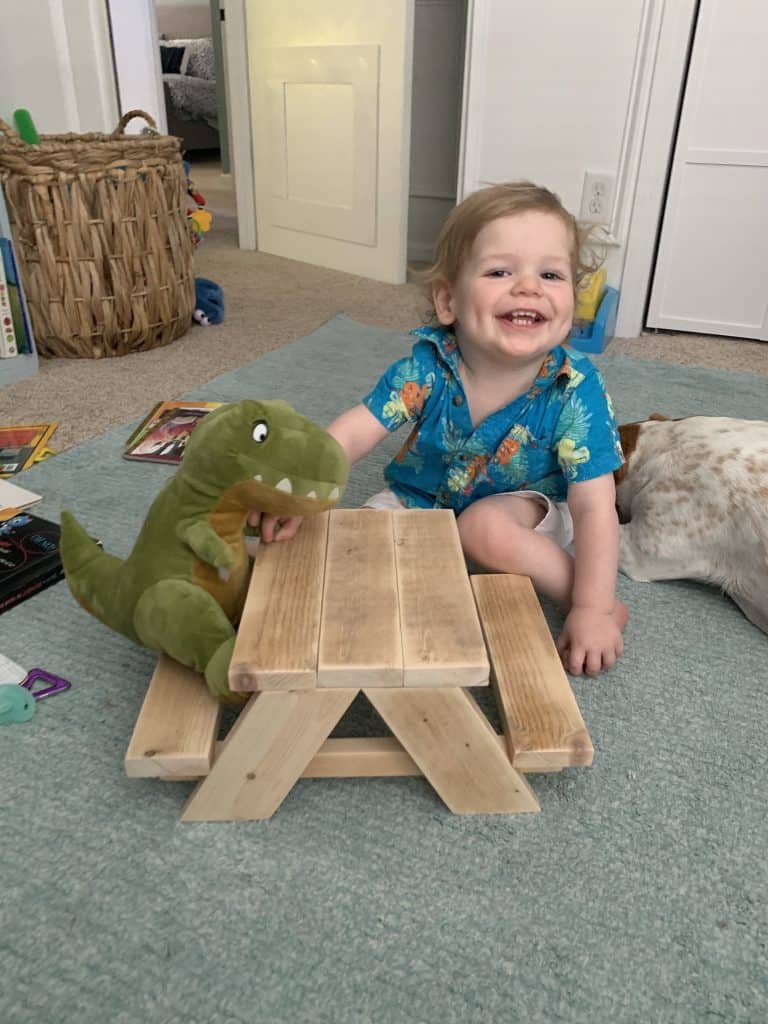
<point x="589" y="295"/>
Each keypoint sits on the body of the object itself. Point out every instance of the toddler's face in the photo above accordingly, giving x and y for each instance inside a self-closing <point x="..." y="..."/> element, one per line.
<point x="513" y="297"/>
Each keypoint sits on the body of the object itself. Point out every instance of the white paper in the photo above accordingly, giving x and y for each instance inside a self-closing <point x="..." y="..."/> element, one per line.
<point x="13" y="496"/>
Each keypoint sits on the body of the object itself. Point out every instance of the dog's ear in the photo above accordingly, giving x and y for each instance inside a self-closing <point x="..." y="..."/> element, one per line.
<point x="628" y="434"/>
<point x="657" y="416"/>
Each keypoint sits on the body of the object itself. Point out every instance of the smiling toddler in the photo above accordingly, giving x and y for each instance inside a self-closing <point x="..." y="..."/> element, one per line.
<point x="508" y="427"/>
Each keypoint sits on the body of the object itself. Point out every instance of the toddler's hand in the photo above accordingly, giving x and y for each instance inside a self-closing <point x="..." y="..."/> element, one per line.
<point x="591" y="640"/>
<point x="275" y="527"/>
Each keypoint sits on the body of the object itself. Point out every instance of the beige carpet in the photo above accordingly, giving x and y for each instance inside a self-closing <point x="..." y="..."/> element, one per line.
<point x="269" y="302"/>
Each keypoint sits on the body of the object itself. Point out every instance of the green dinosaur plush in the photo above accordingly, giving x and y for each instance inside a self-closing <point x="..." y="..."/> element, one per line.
<point x="182" y="588"/>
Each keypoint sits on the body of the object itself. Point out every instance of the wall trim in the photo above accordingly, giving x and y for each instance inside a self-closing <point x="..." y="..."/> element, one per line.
<point x="64" y="63"/>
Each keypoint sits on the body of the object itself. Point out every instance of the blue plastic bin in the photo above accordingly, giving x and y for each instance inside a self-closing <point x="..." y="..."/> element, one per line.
<point x="594" y="335"/>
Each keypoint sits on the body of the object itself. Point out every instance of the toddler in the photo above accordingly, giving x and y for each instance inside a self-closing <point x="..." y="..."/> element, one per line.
<point x="508" y="428"/>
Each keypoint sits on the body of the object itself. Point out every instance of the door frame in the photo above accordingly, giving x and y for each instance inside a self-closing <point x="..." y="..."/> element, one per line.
<point x="235" y="44"/>
<point x="672" y="53"/>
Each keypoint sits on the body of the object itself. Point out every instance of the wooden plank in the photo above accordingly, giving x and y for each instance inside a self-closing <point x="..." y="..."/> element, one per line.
<point x="276" y="645"/>
<point x="267" y="749"/>
<point x="177" y="726"/>
<point x="360" y="641"/>
<point x="361" y="757"/>
<point x="442" y="640"/>
<point x="453" y="744"/>
<point x="350" y="757"/>
<point x="541" y="719"/>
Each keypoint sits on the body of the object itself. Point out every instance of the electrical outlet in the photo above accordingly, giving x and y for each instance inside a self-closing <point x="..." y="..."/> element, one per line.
<point x="597" y="198"/>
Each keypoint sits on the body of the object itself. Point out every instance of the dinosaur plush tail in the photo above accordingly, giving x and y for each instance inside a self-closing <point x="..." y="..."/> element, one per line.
<point x="92" y="574"/>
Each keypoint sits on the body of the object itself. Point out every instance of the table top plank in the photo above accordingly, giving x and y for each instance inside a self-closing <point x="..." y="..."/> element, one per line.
<point x="276" y="645"/>
<point x="442" y="639"/>
<point x="540" y="716"/>
<point x="360" y="641"/>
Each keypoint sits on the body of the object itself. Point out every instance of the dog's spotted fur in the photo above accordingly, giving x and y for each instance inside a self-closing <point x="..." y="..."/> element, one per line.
<point x="693" y="503"/>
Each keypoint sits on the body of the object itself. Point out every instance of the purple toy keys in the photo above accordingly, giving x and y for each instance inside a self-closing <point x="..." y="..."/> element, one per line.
<point x="38" y="675"/>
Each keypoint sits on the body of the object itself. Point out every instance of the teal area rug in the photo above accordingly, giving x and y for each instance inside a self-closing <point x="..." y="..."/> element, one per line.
<point x="639" y="893"/>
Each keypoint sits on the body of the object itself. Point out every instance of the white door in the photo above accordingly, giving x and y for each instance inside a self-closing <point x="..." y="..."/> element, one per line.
<point x="711" y="272"/>
<point x="330" y="89"/>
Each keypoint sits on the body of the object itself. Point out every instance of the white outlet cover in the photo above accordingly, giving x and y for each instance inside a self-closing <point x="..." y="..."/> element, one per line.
<point x="597" y="198"/>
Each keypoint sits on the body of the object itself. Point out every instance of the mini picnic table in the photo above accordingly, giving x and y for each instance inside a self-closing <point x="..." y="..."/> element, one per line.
<point x="376" y="602"/>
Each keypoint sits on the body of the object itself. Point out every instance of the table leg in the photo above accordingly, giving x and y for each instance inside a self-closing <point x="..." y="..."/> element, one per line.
<point x="267" y="749"/>
<point x="452" y="742"/>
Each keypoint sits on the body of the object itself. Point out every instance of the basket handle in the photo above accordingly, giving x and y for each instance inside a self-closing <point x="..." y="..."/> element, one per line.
<point x="129" y="116"/>
<point x="10" y="132"/>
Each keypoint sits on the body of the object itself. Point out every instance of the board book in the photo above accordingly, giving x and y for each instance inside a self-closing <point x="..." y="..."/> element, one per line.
<point x="22" y="445"/>
<point x="163" y="435"/>
<point x="29" y="558"/>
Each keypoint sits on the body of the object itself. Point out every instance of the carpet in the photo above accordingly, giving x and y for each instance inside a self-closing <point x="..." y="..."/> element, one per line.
<point x="638" y="894"/>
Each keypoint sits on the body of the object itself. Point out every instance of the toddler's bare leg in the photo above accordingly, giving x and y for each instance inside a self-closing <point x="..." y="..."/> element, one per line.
<point x="498" y="533"/>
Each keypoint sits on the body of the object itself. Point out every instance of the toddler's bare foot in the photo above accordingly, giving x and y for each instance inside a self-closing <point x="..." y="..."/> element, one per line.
<point x="620" y="614"/>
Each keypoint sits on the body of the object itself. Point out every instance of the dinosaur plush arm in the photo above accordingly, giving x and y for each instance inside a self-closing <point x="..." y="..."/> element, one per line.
<point x="205" y="543"/>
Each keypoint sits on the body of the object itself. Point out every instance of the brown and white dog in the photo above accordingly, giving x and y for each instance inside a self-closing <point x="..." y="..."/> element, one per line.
<point x="693" y="502"/>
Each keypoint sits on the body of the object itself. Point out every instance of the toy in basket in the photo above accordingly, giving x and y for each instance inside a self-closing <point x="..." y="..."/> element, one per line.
<point x="102" y="238"/>
<point x="184" y="583"/>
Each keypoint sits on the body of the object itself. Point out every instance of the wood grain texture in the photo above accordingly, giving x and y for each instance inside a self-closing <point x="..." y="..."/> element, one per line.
<point x="276" y="645"/>
<point x="541" y="719"/>
<point x="360" y="641"/>
<point x="264" y="754"/>
<point x="453" y="744"/>
<point x="442" y="640"/>
<point x="177" y="726"/>
<point x="358" y="757"/>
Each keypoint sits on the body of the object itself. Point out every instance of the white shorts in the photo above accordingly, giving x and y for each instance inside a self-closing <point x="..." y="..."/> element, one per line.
<point x="556" y="524"/>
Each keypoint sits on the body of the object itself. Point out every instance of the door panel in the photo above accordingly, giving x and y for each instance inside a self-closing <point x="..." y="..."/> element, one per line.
<point x="712" y="266"/>
<point x="330" y="88"/>
<point x="321" y="116"/>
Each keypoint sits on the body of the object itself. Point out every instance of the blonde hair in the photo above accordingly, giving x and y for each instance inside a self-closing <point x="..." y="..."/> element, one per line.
<point x="466" y="221"/>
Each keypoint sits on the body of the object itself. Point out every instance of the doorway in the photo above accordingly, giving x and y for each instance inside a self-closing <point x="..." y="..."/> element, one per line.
<point x="194" y="95"/>
<point x="438" y="73"/>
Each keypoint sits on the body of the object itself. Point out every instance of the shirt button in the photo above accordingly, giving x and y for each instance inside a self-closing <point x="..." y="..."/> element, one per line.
<point x="458" y="400"/>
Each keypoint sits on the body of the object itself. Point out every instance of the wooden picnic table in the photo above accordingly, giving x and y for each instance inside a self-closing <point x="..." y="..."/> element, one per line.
<point x="381" y="603"/>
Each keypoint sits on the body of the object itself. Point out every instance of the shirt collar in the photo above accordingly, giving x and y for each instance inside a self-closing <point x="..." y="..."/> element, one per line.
<point x="556" y="366"/>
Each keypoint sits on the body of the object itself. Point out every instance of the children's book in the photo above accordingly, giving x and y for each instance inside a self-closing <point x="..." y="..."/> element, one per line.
<point x="29" y="558"/>
<point x="12" y="301"/>
<point x="163" y="435"/>
<point x="23" y="445"/>
<point x="13" y="499"/>
<point x="8" y="344"/>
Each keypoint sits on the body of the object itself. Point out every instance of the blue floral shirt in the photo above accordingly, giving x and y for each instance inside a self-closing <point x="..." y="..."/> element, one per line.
<point x="561" y="430"/>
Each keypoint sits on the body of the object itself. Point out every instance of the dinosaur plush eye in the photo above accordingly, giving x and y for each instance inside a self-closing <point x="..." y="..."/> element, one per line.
<point x="260" y="431"/>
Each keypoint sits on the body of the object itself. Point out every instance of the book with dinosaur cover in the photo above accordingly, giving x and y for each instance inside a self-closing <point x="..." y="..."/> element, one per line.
<point x="22" y="445"/>
<point x="29" y="558"/>
<point x="163" y="435"/>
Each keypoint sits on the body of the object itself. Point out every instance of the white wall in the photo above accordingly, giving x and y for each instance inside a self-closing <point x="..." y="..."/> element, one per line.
<point x="55" y="61"/>
<point x="558" y="89"/>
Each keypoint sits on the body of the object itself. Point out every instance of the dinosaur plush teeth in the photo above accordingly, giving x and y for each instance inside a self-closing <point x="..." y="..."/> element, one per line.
<point x="258" y="477"/>
<point x="334" y="495"/>
<point x="284" y="485"/>
<point x="312" y="494"/>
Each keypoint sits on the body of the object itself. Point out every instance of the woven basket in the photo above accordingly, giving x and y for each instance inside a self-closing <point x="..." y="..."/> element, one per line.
<point x="102" y="238"/>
